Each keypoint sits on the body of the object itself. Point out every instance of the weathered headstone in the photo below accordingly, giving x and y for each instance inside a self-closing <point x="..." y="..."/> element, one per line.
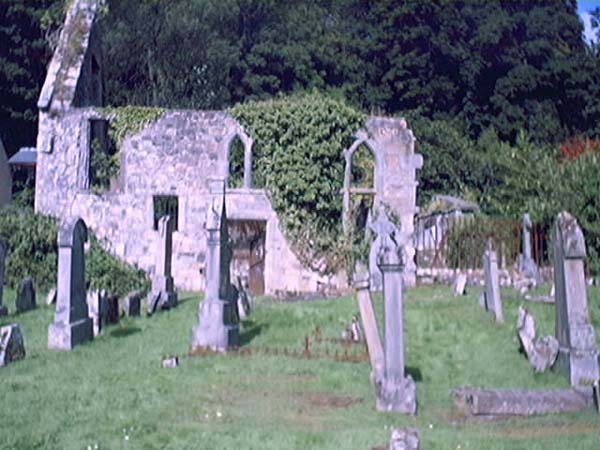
<point x="244" y="301"/>
<point x="25" y="300"/>
<point x="493" y="302"/>
<point x="576" y="336"/>
<point x="112" y="309"/>
<point x="218" y="328"/>
<point x="97" y="309"/>
<point x="71" y="326"/>
<point x="163" y="295"/>
<point x="130" y="304"/>
<point x="395" y="391"/>
<point x="460" y="284"/>
<point x="541" y="352"/>
<point x="367" y="314"/>
<point x="404" y="439"/>
<point x="3" y="249"/>
<point x="51" y="297"/>
<point x="526" y="264"/>
<point x="12" y="346"/>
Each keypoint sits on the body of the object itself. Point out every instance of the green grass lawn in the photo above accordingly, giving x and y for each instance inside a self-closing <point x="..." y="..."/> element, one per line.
<point x="113" y="392"/>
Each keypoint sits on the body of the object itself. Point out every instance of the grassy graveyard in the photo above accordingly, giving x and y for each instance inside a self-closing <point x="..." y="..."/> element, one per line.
<point x="113" y="393"/>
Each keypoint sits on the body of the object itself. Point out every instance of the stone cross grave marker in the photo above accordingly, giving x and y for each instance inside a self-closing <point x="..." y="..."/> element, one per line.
<point x="395" y="391"/>
<point x="576" y="336"/>
<point x="218" y="328"/>
<point x="163" y="295"/>
<point x="25" y="300"/>
<point x="493" y="301"/>
<point x="71" y="325"/>
<point x="3" y="250"/>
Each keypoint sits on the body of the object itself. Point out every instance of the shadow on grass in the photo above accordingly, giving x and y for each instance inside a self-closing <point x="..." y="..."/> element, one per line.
<point x="415" y="373"/>
<point x="251" y="330"/>
<point x="125" y="331"/>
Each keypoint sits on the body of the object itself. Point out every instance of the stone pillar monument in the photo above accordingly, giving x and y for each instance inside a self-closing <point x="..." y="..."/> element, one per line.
<point x="71" y="326"/>
<point x="3" y="250"/>
<point x="576" y="337"/>
<point x="491" y="293"/>
<point x="395" y="391"/>
<point x="218" y="327"/>
<point x="163" y="295"/>
<point x="527" y="265"/>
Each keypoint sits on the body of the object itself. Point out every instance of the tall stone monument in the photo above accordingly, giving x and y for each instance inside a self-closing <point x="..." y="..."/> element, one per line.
<point x="3" y="249"/>
<point x="163" y="295"/>
<point x="491" y="293"/>
<point x="71" y="326"/>
<point x="526" y="264"/>
<point x="576" y="337"/>
<point x="395" y="390"/>
<point x="218" y="327"/>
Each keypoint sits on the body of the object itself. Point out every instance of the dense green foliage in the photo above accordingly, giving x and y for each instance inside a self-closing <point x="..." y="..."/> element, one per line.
<point x="32" y="251"/>
<point x="119" y="397"/>
<point x="298" y="158"/>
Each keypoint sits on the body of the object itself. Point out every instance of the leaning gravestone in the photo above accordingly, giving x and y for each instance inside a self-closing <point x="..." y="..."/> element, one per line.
<point x="163" y="295"/>
<point x="3" y="248"/>
<point x="576" y="336"/>
<point x="71" y="326"/>
<point x="25" y="300"/>
<point x="395" y="391"/>
<point x="218" y="328"/>
<point x="491" y="292"/>
<point x="12" y="346"/>
<point x="541" y="352"/>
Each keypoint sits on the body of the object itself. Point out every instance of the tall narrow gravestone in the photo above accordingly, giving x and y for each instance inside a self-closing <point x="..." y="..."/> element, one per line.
<point x="491" y="293"/>
<point x="395" y="391"/>
<point x="218" y="327"/>
<point x="576" y="337"/>
<point x="527" y="265"/>
<point x="163" y="295"/>
<point x="71" y="326"/>
<point x="3" y="248"/>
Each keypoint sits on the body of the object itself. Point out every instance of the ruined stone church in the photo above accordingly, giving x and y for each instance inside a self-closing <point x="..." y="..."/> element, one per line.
<point x="165" y="168"/>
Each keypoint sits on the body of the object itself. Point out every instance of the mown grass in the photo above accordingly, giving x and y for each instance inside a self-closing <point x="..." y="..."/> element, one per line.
<point x="114" y="393"/>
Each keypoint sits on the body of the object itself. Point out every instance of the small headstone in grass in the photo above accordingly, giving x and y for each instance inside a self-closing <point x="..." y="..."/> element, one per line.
<point x="25" y="300"/>
<point x="404" y="439"/>
<point x="12" y="346"/>
<point x="97" y="309"/>
<point x="71" y="325"/>
<point x="541" y="352"/>
<point x="493" y="302"/>
<point x="170" y="362"/>
<point x="3" y="249"/>
<point x="460" y="284"/>
<point x="355" y="330"/>
<point x="130" y="304"/>
<point x="578" y="354"/>
<point x="51" y="297"/>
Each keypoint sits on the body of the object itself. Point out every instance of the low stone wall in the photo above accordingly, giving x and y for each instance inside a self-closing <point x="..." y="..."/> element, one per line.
<point x="476" y="277"/>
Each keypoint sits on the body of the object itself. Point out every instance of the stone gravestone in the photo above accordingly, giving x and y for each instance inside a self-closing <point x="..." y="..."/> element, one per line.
<point x="130" y="304"/>
<point x="526" y="264"/>
<point x="12" y="346"/>
<point x="71" y="326"/>
<point x="25" y="295"/>
<point x="163" y="295"/>
<point x="395" y="391"/>
<point x="3" y="249"/>
<point x="491" y="293"/>
<point x="404" y="439"/>
<point x="576" y="337"/>
<point x="218" y="327"/>
<point x="367" y="314"/>
<point x="460" y="284"/>
<point x="541" y="352"/>
<point x="97" y="309"/>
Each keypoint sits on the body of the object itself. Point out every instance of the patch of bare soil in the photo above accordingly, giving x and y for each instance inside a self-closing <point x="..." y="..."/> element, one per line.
<point x="326" y="400"/>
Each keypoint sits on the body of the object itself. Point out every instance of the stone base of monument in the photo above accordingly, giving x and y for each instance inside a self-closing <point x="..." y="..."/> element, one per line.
<point x="65" y="336"/>
<point x="3" y="310"/>
<point x="396" y="396"/>
<point x="158" y="300"/>
<point x="218" y="329"/>
<point x="581" y="366"/>
<point x="12" y="346"/>
<point x="529" y="268"/>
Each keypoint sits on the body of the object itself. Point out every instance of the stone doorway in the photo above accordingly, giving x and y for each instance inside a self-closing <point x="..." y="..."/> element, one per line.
<point x="248" y="239"/>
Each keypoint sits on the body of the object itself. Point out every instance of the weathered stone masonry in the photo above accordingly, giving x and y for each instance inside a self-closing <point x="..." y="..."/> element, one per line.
<point x="176" y="156"/>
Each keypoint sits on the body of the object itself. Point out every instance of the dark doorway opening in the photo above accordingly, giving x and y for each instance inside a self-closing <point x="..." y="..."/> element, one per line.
<point x="248" y="239"/>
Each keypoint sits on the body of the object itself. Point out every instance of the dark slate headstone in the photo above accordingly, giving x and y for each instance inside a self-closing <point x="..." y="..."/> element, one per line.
<point x="130" y="304"/>
<point x="97" y="309"/>
<point x="12" y="346"/>
<point x="71" y="325"/>
<point x="25" y="300"/>
<point x="112" y="311"/>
